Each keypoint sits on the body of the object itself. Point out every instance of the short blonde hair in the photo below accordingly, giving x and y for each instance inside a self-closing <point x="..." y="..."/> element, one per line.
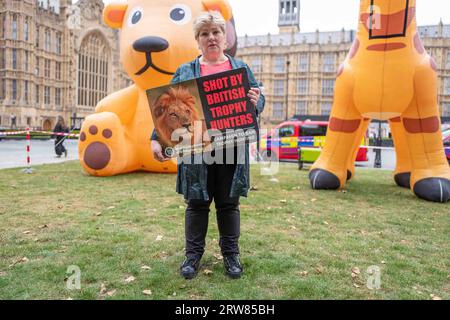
<point x="208" y="18"/>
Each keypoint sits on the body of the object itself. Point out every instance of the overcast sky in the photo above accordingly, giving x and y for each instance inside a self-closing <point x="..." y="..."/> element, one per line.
<point x="257" y="17"/>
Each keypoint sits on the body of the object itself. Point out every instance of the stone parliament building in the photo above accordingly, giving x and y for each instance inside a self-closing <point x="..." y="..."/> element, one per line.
<point x="298" y="70"/>
<point x="59" y="59"/>
<point x="56" y="59"/>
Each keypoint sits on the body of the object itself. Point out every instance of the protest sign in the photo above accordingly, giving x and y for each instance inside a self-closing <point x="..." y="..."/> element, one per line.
<point x="203" y="114"/>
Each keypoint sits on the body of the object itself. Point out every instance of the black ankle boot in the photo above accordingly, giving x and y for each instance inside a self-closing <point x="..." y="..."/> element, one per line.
<point x="233" y="266"/>
<point x="189" y="268"/>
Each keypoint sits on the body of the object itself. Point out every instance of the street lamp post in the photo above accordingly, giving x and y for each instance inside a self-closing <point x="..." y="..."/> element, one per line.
<point x="288" y="63"/>
<point x="377" y="163"/>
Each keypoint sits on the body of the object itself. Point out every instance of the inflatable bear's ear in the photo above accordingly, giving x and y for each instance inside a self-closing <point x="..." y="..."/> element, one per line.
<point x="219" y="5"/>
<point x="113" y="15"/>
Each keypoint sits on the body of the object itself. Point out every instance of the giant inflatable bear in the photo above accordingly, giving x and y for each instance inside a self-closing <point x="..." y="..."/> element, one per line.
<point x="156" y="37"/>
<point x="387" y="75"/>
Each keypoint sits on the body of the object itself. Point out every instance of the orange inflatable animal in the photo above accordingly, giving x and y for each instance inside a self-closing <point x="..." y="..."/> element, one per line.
<point x="388" y="76"/>
<point x="156" y="37"/>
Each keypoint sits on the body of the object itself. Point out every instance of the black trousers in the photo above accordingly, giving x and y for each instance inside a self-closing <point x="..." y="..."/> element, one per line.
<point x="220" y="177"/>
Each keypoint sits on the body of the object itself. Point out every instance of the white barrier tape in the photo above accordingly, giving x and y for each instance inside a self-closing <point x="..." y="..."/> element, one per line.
<point x="369" y="147"/>
<point x="15" y="133"/>
<point x="60" y="134"/>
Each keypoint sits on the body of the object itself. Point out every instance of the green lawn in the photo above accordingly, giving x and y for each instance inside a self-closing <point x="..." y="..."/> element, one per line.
<point x="296" y="243"/>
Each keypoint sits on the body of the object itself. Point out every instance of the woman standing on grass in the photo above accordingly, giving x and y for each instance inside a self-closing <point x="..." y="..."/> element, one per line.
<point x="201" y="183"/>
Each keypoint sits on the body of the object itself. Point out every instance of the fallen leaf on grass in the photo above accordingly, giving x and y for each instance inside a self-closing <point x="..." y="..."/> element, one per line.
<point x="147" y="292"/>
<point x="218" y="256"/>
<point x="208" y="272"/>
<point x="110" y="208"/>
<point x="283" y="201"/>
<point x="103" y="289"/>
<point x="254" y="188"/>
<point x="319" y="270"/>
<point x="435" y="297"/>
<point x="21" y="260"/>
<point x="159" y="238"/>
<point x="26" y="232"/>
<point x="355" y="272"/>
<point x="146" y="268"/>
<point x="174" y="294"/>
<point x="130" y="279"/>
<point x="304" y="273"/>
<point x="326" y="223"/>
<point x="98" y="214"/>
<point x="111" y="293"/>
<point x="356" y="285"/>
<point x="313" y="200"/>
<point x="44" y="226"/>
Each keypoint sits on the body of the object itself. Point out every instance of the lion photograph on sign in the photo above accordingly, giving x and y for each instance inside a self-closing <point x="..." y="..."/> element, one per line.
<point x="178" y="115"/>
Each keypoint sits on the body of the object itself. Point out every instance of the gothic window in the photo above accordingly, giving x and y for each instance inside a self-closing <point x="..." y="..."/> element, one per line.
<point x="37" y="67"/>
<point x="27" y="30"/>
<point x="37" y="36"/>
<point x="302" y="86"/>
<point x="325" y="108"/>
<point x="47" y="95"/>
<point x="58" y="43"/>
<point x="448" y="61"/>
<point x="4" y="26"/>
<point x="2" y="58"/>
<point x="278" y="110"/>
<point x="446" y="110"/>
<point x="37" y="94"/>
<point x="303" y="63"/>
<point x="14" y="89"/>
<point x="279" y="88"/>
<point x="14" y="59"/>
<point x="48" y="40"/>
<point x="27" y="60"/>
<point x="280" y="64"/>
<point x="447" y="86"/>
<point x="329" y="61"/>
<point x="328" y="87"/>
<point x="26" y="91"/>
<point x="14" y="27"/>
<point x="58" y="96"/>
<point x="301" y="108"/>
<point x="93" y="70"/>
<point x="257" y="65"/>
<point x="47" y="68"/>
<point x="58" y="71"/>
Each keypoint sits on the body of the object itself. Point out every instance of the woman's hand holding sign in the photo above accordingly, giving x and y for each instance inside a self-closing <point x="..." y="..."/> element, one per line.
<point x="254" y="95"/>
<point x="158" y="152"/>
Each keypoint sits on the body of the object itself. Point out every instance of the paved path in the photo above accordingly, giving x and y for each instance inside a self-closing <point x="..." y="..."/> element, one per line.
<point x="13" y="152"/>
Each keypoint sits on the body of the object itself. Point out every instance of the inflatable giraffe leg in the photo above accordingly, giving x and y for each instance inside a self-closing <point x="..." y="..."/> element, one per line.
<point x="330" y="171"/>
<point x="402" y="174"/>
<point x="356" y="147"/>
<point x="430" y="176"/>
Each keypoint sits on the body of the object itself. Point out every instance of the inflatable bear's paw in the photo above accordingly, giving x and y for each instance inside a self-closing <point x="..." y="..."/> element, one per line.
<point x="100" y="141"/>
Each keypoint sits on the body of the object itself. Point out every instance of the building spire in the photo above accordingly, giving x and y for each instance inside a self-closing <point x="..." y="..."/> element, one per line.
<point x="289" y="16"/>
